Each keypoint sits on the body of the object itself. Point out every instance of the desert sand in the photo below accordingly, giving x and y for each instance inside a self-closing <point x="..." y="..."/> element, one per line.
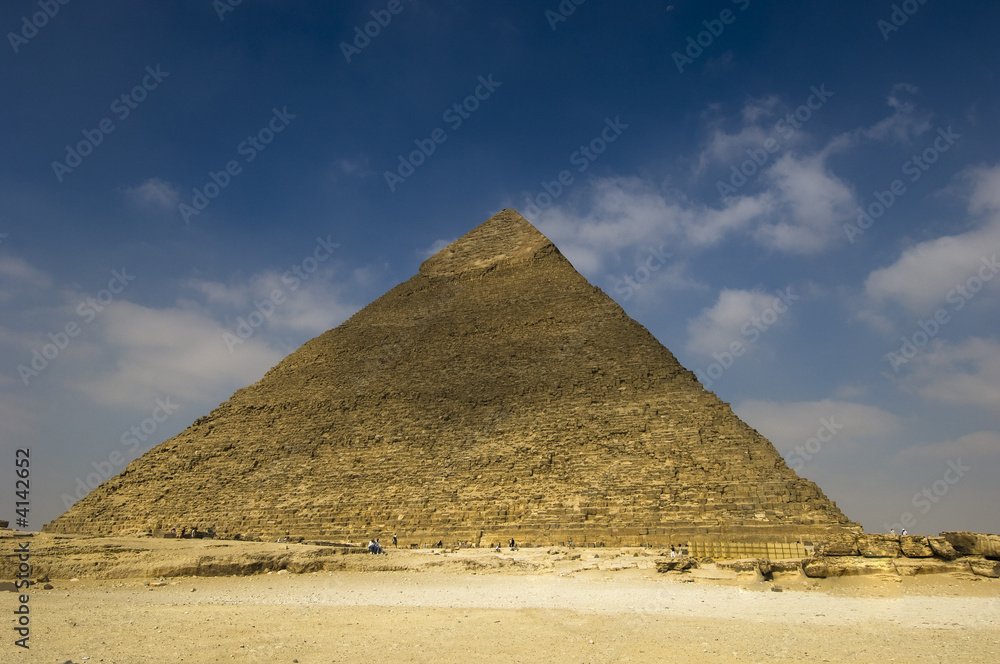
<point x="529" y="605"/>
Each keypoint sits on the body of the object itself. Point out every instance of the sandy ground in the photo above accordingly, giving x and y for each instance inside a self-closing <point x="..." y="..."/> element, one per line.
<point x="525" y="606"/>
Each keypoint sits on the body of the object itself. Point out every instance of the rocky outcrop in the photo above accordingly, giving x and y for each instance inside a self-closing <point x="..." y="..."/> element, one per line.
<point x="942" y="548"/>
<point x="839" y="545"/>
<point x="915" y="546"/>
<point x="908" y="555"/>
<point x="879" y="546"/>
<point x="678" y="564"/>
<point x="974" y="544"/>
<point x="990" y="568"/>
<point x="495" y="394"/>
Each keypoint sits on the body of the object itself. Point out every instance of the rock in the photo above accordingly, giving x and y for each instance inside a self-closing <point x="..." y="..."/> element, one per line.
<point x="913" y="567"/>
<point x="915" y="546"/>
<point x="776" y="589"/>
<point x="942" y="549"/>
<point x="822" y="568"/>
<point x="879" y="546"/>
<point x="786" y="566"/>
<point x="755" y="566"/>
<point x="990" y="568"/>
<point x="842" y="545"/>
<point x="48" y="586"/>
<point x="974" y="544"/>
<point x="678" y="564"/>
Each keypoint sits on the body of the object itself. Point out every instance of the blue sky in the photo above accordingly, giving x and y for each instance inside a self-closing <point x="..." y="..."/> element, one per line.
<point x="800" y="200"/>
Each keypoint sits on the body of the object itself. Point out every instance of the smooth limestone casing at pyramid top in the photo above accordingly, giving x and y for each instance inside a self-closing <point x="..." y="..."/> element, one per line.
<point x="495" y="394"/>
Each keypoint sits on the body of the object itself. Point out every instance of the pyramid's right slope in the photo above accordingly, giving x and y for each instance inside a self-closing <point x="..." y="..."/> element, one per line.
<point x="495" y="394"/>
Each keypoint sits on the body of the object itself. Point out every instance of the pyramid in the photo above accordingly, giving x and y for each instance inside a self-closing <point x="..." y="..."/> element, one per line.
<point x="495" y="394"/>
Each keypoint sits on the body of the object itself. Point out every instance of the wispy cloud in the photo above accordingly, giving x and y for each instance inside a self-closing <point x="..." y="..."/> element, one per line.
<point x="155" y="193"/>
<point x="922" y="277"/>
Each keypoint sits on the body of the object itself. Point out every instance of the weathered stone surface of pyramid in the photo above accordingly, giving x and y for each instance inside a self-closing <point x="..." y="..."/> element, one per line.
<point x="495" y="394"/>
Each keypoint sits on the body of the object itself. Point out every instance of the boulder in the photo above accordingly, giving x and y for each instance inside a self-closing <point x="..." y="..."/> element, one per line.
<point x="915" y="546"/>
<point x="879" y="546"/>
<point x="990" y="568"/>
<point x="786" y="566"/>
<point x="755" y="566"/>
<point x="840" y="545"/>
<point x="913" y="567"/>
<point x="678" y="564"/>
<point x="821" y="568"/>
<point x="974" y="544"/>
<point x="942" y="548"/>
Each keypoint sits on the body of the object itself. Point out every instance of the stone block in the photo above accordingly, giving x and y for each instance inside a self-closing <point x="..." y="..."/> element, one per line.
<point x="842" y="545"/>
<point x="678" y="564"/>
<point x="915" y="546"/>
<point x="879" y="546"/>
<point x="989" y="568"/>
<point x="822" y="568"/>
<point x="974" y="544"/>
<point x="913" y="567"/>
<point x="942" y="548"/>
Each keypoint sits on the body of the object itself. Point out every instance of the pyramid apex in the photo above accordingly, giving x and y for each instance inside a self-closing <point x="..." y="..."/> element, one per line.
<point x="503" y="239"/>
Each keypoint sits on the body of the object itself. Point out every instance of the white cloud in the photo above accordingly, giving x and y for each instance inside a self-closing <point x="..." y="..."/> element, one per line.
<point x="22" y="271"/>
<point x="355" y="167"/>
<point x="723" y="148"/>
<point x="147" y="353"/>
<point x="790" y="424"/>
<point x="814" y="201"/>
<point x="625" y="213"/>
<point x="925" y="273"/>
<point x="716" y="327"/>
<point x="906" y="121"/>
<point x="301" y="307"/>
<point x="977" y="445"/>
<point x="155" y="192"/>
<point x="963" y="374"/>
<point x="437" y="246"/>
